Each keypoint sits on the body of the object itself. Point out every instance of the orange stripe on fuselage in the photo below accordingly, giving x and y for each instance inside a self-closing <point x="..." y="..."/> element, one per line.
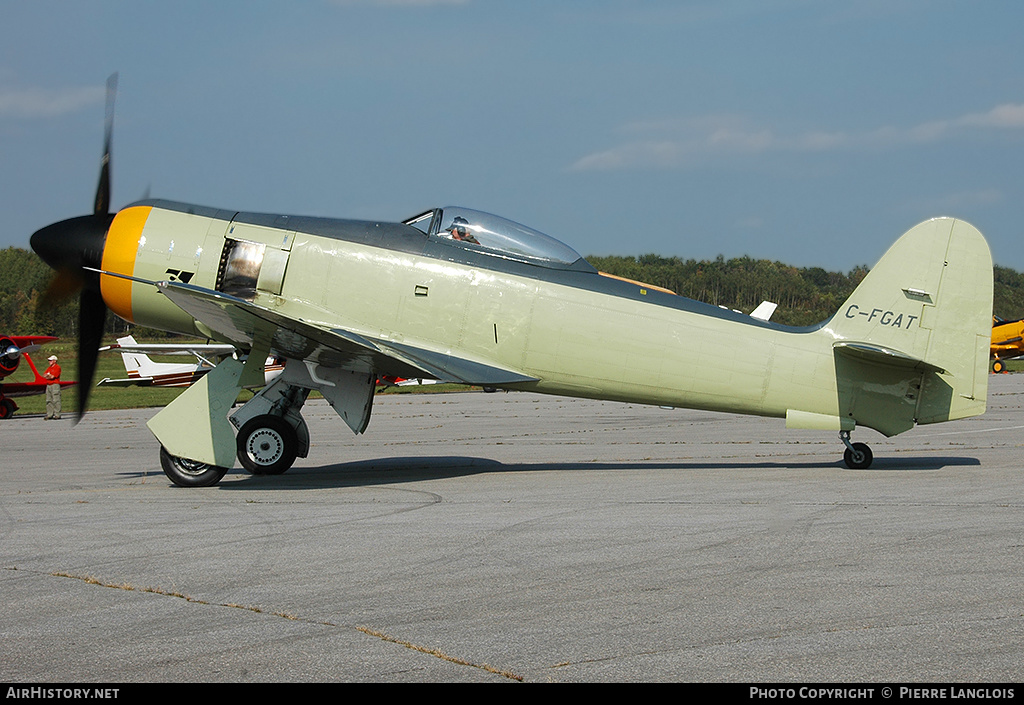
<point x="119" y="257"/>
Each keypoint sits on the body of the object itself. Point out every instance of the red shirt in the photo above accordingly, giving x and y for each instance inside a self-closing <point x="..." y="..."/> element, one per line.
<point x="52" y="372"/>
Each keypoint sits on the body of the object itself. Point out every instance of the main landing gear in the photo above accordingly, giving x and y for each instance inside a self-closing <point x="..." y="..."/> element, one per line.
<point x="271" y="432"/>
<point x="267" y="445"/>
<point x="858" y="455"/>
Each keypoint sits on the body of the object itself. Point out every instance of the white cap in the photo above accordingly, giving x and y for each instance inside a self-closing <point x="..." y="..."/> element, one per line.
<point x="52" y="357"/>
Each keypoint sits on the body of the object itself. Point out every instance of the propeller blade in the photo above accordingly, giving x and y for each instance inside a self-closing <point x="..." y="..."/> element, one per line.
<point x="102" y="204"/>
<point x="65" y="284"/>
<point x="92" y="316"/>
<point x="73" y="247"/>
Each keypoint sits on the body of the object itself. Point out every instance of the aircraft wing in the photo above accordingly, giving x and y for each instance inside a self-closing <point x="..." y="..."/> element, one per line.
<point x="23" y="389"/>
<point x="193" y="349"/>
<point x="244" y="324"/>
<point x="129" y="382"/>
<point x="28" y="389"/>
<point x="24" y="341"/>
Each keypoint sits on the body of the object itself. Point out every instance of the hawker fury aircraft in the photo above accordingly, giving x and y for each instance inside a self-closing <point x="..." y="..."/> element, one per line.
<point x="458" y="295"/>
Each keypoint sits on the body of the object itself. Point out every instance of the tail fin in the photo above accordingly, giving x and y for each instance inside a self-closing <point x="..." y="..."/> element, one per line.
<point x="922" y="318"/>
<point x="135" y="364"/>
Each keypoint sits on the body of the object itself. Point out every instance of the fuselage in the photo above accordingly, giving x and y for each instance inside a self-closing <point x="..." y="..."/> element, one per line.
<point x="575" y="331"/>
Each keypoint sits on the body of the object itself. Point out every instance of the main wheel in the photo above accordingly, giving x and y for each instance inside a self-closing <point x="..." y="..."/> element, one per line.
<point x="267" y="445"/>
<point x="7" y="408"/>
<point x="998" y="366"/>
<point x="858" y="458"/>
<point x="190" y="473"/>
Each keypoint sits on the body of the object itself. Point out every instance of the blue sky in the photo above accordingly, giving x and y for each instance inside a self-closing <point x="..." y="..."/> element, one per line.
<point x="810" y="132"/>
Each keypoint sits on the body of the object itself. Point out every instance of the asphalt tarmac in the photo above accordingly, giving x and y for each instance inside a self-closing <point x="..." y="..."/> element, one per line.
<point x="474" y="537"/>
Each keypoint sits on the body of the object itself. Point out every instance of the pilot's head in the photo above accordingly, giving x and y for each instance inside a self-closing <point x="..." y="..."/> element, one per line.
<point x="460" y="228"/>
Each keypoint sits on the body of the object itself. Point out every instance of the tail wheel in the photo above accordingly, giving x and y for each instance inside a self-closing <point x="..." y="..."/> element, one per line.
<point x="190" y="473"/>
<point x="267" y="445"/>
<point x="858" y="456"/>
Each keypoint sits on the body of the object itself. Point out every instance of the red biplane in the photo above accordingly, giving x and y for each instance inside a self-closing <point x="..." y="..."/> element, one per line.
<point x="12" y="349"/>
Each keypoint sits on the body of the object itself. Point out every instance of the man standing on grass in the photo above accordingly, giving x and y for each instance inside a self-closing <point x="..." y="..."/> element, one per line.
<point x="53" y="389"/>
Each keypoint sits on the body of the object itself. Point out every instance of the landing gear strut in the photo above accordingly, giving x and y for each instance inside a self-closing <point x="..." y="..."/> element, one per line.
<point x="858" y="455"/>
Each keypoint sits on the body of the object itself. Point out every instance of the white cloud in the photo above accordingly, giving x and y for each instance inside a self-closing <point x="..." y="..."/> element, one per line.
<point x="672" y="144"/>
<point x="38" y="102"/>
<point x="1002" y="116"/>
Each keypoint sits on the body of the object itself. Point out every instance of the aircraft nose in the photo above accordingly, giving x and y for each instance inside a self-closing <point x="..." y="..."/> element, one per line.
<point x="73" y="243"/>
<point x="10" y="356"/>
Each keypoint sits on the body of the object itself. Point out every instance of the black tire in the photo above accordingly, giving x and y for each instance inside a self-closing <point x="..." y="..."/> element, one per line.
<point x="190" y="473"/>
<point x="859" y="458"/>
<point x="267" y="445"/>
<point x="7" y="408"/>
<point x="998" y="366"/>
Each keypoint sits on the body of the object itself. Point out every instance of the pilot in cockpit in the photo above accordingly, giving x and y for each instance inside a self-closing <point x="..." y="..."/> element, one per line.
<point x="459" y="230"/>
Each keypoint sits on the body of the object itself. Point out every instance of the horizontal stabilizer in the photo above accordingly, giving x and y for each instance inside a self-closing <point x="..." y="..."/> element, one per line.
<point x="881" y="355"/>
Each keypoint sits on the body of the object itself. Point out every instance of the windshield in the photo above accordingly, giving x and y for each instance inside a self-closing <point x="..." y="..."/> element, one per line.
<point x="493" y="234"/>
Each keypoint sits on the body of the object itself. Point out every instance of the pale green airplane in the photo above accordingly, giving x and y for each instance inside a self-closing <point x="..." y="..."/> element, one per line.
<point x="462" y="296"/>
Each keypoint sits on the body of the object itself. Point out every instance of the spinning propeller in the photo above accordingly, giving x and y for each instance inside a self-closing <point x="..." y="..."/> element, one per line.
<point x="74" y="244"/>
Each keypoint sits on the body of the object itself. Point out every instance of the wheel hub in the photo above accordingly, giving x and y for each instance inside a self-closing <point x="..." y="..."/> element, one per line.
<point x="265" y="446"/>
<point x="191" y="467"/>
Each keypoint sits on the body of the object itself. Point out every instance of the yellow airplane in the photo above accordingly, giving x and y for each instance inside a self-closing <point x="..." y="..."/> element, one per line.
<point x="459" y="295"/>
<point x="1007" y="342"/>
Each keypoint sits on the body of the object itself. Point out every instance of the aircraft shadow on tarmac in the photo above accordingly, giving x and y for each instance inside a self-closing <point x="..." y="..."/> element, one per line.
<point x="399" y="470"/>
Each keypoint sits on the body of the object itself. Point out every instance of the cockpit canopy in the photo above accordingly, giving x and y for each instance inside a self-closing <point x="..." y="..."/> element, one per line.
<point x="493" y="235"/>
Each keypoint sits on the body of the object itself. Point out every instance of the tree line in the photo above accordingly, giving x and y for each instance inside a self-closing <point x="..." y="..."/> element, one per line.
<point x="805" y="295"/>
<point x="24" y="278"/>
